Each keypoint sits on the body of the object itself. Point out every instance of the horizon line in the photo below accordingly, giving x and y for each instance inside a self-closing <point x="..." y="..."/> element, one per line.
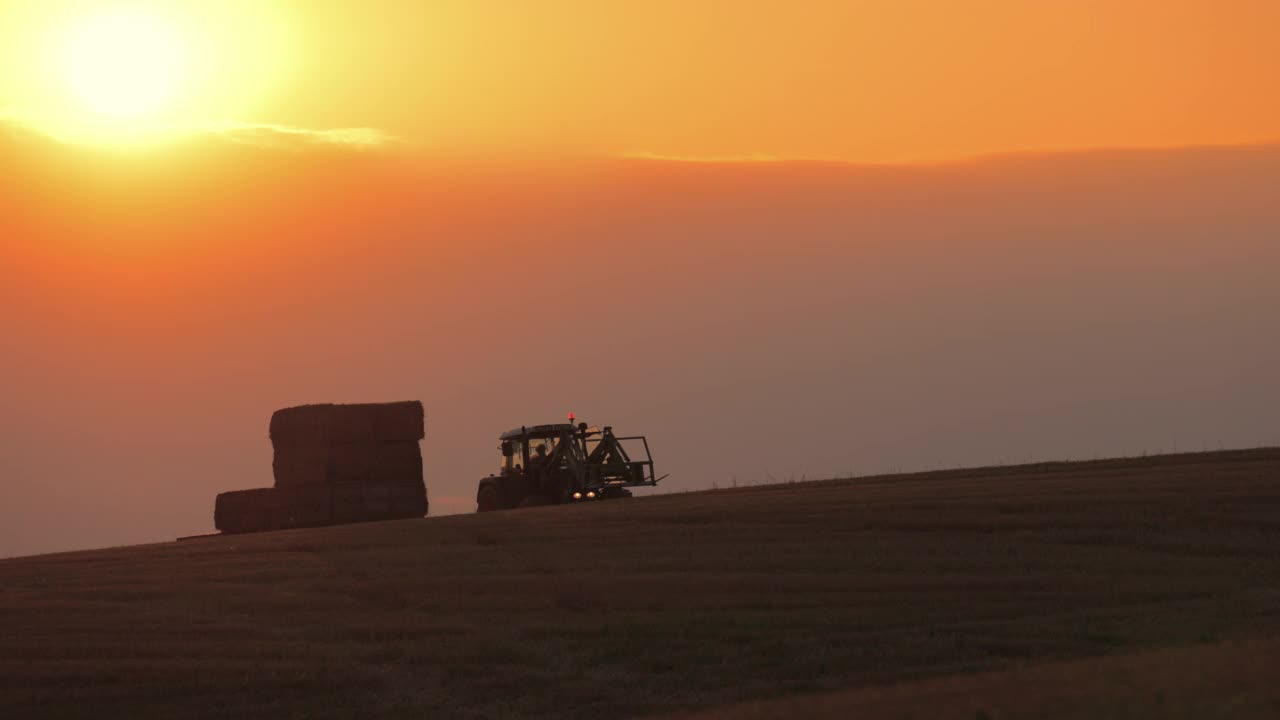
<point x="362" y="140"/>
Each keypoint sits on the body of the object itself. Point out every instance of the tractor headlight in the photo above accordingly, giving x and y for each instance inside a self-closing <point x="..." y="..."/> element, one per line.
<point x="591" y="494"/>
<point x="577" y="496"/>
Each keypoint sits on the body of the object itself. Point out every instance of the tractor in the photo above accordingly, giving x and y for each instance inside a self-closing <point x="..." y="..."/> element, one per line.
<point x="564" y="463"/>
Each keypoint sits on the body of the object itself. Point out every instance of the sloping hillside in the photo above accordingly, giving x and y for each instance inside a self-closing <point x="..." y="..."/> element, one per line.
<point x="1221" y="680"/>
<point x="656" y="605"/>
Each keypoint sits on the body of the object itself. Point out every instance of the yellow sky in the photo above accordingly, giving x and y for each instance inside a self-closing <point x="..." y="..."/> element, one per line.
<point x="869" y="80"/>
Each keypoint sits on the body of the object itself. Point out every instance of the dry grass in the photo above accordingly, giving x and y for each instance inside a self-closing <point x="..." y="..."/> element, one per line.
<point x="1226" y="680"/>
<point x="655" y="605"/>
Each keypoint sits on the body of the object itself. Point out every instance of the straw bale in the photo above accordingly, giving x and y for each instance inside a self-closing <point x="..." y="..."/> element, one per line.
<point x="397" y="500"/>
<point x="364" y="502"/>
<point x="352" y="462"/>
<point x="396" y="476"/>
<point x="301" y="506"/>
<point x="352" y="424"/>
<point x="400" y="422"/>
<point x="303" y="425"/>
<point x="398" y="463"/>
<point x="378" y="509"/>
<point x="411" y="500"/>
<point x="300" y="465"/>
<point x="244" y="510"/>
<point x="400" y="453"/>
<point x="377" y="492"/>
<point x="290" y="476"/>
<point x="347" y="503"/>
<point x="328" y="424"/>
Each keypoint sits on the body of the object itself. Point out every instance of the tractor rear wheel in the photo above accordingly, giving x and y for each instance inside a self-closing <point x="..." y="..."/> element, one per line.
<point x="488" y="499"/>
<point x="534" y="500"/>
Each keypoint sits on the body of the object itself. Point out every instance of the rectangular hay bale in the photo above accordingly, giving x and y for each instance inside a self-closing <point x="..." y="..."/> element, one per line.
<point x="398" y="463"/>
<point x="400" y="422"/>
<point x="244" y="510"/>
<point x="329" y="424"/>
<point x="396" y="500"/>
<point x="352" y="424"/>
<point x="378" y="509"/>
<point x="302" y="507"/>
<point x="413" y="503"/>
<point x="302" y="425"/>
<point x="301" y="465"/>
<point x="352" y="463"/>
<point x="347" y="503"/>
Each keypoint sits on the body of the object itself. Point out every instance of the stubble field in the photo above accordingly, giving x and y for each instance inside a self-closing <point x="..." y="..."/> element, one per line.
<point x="1021" y="591"/>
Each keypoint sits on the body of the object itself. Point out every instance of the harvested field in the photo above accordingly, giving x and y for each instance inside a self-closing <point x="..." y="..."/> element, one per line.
<point x="1220" y="680"/>
<point x="827" y="592"/>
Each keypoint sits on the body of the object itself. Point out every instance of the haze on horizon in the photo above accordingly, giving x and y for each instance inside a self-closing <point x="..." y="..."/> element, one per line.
<point x="491" y="207"/>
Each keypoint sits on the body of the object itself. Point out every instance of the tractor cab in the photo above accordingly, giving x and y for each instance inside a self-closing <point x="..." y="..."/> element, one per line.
<point x="563" y="463"/>
<point x="520" y="444"/>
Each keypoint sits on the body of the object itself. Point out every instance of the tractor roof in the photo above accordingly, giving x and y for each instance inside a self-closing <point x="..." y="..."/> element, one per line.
<point x="538" y="431"/>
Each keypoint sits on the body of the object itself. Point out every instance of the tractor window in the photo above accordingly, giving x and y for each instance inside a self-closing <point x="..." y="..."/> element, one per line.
<point x="517" y="456"/>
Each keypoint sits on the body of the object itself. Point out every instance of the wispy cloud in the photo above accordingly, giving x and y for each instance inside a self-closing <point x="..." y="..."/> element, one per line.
<point x="773" y="159"/>
<point x="751" y="158"/>
<point x="267" y="135"/>
<point x="286" y="136"/>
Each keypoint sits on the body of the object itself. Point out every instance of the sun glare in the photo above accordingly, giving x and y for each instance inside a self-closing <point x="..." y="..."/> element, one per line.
<point x="123" y="65"/>
<point x="138" y="71"/>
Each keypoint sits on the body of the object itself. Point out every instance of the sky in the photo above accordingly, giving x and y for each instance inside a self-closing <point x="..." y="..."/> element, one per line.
<point x="783" y="240"/>
<point x="863" y="81"/>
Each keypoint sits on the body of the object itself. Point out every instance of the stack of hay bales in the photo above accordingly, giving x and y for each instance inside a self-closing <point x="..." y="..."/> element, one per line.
<point x="366" y="455"/>
<point x="335" y="464"/>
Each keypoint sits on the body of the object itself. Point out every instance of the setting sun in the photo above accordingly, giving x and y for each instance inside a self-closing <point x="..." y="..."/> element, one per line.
<point x="137" y="71"/>
<point x="123" y="65"/>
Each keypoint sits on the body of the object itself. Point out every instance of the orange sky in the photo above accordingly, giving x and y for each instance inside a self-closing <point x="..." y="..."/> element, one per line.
<point x="872" y="80"/>
<point x="321" y="231"/>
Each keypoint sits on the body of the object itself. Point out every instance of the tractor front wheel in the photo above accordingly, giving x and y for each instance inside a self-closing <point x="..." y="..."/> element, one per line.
<point x="488" y="499"/>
